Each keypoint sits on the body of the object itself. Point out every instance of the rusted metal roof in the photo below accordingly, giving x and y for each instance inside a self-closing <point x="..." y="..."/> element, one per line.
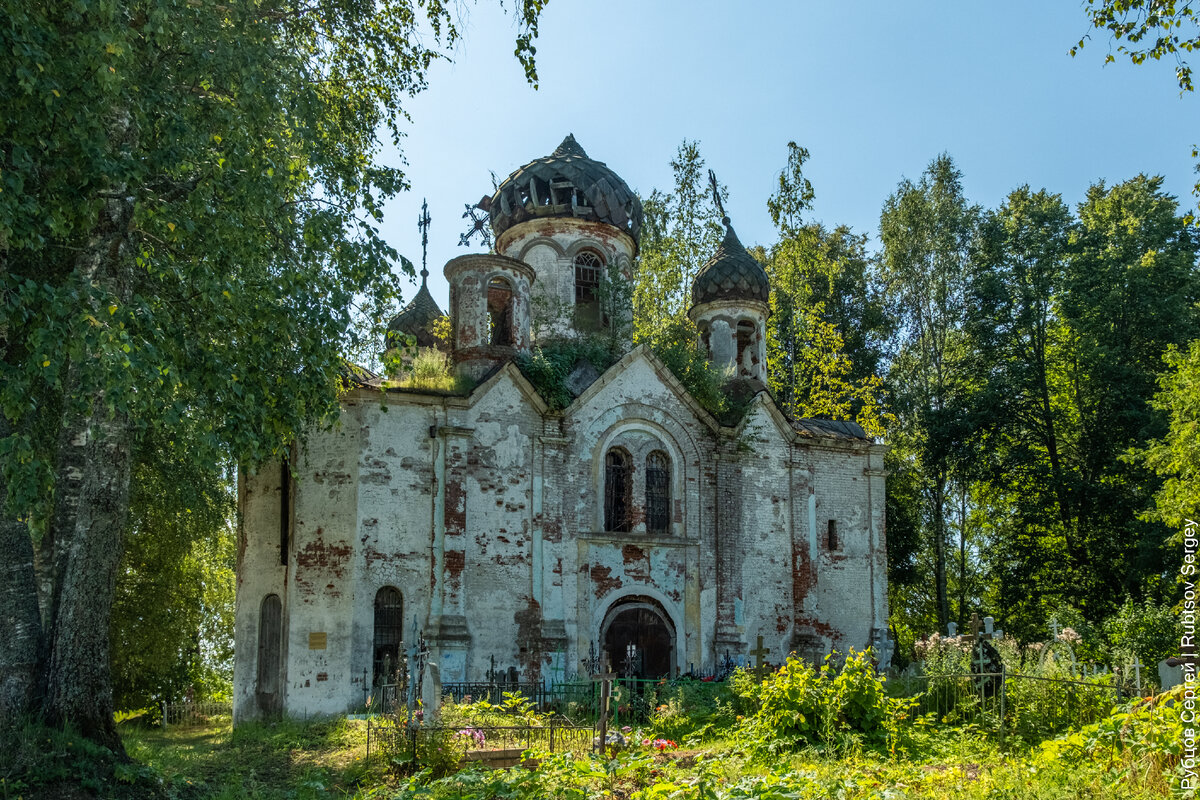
<point x="731" y="274"/>
<point x="565" y="184"/>
<point x="828" y="428"/>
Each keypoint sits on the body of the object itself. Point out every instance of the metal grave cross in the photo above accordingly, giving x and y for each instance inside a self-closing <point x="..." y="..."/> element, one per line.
<point x="478" y="225"/>
<point x="605" y="678"/>
<point x="416" y="644"/>
<point x="760" y="664"/>
<point x="980" y="659"/>
<point x="1137" y="674"/>
<point x="976" y="626"/>
<point x="1054" y="626"/>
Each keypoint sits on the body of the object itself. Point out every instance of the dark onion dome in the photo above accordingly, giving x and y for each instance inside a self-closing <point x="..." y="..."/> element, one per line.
<point x="416" y="318"/>
<point x="731" y="274"/>
<point x="565" y="184"/>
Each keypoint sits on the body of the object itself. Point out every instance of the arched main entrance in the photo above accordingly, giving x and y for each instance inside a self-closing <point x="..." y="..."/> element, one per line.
<point x="639" y="637"/>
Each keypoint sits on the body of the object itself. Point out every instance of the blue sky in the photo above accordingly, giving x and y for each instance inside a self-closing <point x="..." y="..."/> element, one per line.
<point x="874" y="90"/>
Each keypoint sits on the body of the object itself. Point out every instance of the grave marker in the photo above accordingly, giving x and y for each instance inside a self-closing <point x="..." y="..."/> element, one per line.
<point x="605" y="678"/>
<point x="760" y="666"/>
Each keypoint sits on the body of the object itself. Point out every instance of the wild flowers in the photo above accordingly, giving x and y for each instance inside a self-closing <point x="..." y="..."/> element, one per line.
<point x="473" y="734"/>
<point x="660" y="744"/>
<point x="1070" y="636"/>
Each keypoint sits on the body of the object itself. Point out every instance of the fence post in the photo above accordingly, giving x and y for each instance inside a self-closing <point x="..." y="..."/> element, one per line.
<point x="551" y="736"/>
<point x="1003" y="693"/>
<point x="164" y="722"/>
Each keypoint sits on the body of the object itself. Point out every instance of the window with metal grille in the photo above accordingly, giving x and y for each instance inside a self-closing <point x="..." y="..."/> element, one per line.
<point x="389" y="632"/>
<point x="617" y="484"/>
<point x="588" y="267"/>
<point x="658" y="492"/>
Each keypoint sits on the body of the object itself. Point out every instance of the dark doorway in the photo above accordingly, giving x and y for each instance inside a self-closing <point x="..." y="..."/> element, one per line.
<point x="270" y="656"/>
<point x="639" y="636"/>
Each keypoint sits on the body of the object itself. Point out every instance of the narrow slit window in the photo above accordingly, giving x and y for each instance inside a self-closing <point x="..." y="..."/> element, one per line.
<point x="658" y="492"/>
<point x="285" y="510"/>
<point x="833" y="535"/>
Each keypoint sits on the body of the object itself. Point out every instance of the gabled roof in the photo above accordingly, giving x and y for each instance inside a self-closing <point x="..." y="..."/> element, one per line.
<point x="642" y="352"/>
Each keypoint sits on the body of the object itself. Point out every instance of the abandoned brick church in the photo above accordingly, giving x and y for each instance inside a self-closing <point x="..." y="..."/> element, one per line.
<point x="516" y="535"/>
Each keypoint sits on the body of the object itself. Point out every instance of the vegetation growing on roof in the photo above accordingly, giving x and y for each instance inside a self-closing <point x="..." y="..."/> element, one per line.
<point x="548" y="365"/>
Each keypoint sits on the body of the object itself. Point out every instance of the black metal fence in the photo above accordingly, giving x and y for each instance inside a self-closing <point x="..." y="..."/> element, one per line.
<point x="411" y="747"/>
<point x="1029" y="707"/>
<point x="196" y="713"/>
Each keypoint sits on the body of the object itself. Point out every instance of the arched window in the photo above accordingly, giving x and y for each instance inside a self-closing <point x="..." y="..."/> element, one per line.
<point x="500" y="311"/>
<point x="745" y="338"/>
<point x="617" y="485"/>
<point x="389" y="632"/>
<point x="589" y="268"/>
<point x="658" y="492"/>
<point x="270" y="653"/>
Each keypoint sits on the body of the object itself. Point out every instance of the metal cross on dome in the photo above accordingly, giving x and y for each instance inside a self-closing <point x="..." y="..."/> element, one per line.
<point x="423" y="227"/>
<point x="478" y="225"/>
<point x="716" y="190"/>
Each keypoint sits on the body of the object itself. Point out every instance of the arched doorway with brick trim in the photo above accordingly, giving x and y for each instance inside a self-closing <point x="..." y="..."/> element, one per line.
<point x="639" y="636"/>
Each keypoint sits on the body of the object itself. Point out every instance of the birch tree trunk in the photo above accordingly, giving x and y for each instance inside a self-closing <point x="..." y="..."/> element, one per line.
<point x="79" y="679"/>
<point x="94" y="455"/>
<point x="20" y="623"/>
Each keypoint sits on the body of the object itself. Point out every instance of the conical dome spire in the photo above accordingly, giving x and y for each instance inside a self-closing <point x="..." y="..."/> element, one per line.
<point x="731" y="274"/>
<point x="569" y="147"/>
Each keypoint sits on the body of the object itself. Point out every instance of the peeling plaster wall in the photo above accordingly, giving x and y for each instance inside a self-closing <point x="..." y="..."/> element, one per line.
<point x="549" y="246"/>
<point x="486" y="514"/>
<point x="259" y="573"/>
<point x="322" y="569"/>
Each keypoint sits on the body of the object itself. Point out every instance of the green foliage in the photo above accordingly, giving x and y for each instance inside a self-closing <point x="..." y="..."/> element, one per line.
<point x="680" y="232"/>
<point x="1150" y="631"/>
<point x="690" y="708"/>
<point x="826" y="707"/>
<point x="48" y="762"/>
<point x="1139" y="743"/>
<point x="926" y="229"/>
<point x="319" y="760"/>
<point x="827" y="322"/>
<point x="550" y="362"/>
<point x="172" y="627"/>
<point x="431" y="369"/>
<point x="188" y="213"/>
<point x="679" y="348"/>
<point x="1175" y="456"/>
